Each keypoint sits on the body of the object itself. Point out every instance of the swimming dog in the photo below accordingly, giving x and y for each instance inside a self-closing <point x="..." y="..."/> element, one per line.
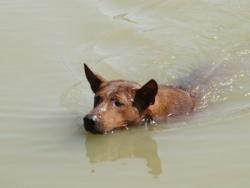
<point x="121" y="103"/>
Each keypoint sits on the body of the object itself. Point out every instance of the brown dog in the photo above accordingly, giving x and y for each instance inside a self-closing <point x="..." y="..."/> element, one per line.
<point x="120" y="103"/>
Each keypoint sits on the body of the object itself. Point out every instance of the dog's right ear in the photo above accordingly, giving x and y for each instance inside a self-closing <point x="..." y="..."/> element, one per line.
<point x="94" y="80"/>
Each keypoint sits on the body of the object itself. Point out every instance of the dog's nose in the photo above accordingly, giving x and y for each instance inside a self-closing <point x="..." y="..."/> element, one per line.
<point x="90" y="124"/>
<point x="89" y="120"/>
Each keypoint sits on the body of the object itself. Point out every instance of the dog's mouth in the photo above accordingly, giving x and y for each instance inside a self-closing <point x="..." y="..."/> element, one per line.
<point x="116" y="129"/>
<point x="97" y="130"/>
<point x="94" y="130"/>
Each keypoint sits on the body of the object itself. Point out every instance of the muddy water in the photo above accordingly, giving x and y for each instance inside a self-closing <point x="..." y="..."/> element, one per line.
<point x="201" y="44"/>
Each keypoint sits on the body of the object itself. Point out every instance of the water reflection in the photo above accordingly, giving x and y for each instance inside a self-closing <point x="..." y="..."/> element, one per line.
<point x="124" y="145"/>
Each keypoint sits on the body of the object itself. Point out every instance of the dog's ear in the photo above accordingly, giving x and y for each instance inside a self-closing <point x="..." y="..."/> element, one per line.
<point x="145" y="96"/>
<point x="94" y="80"/>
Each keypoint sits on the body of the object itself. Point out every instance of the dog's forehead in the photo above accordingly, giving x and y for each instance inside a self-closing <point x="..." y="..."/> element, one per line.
<point x="122" y="88"/>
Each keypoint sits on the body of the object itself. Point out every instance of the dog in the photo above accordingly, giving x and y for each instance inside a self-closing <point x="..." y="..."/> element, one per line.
<point x="119" y="104"/>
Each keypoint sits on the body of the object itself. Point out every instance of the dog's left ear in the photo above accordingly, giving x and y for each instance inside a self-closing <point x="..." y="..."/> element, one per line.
<point x="94" y="80"/>
<point x="145" y="96"/>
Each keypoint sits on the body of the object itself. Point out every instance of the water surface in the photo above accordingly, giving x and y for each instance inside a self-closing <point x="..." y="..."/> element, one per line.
<point x="201" y="44"/>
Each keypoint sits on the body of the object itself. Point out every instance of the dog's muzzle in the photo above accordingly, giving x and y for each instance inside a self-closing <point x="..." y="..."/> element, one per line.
<point x="91" y="125"/>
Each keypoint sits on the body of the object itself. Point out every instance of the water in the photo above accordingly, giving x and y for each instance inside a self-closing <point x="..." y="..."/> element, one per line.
<point x="44" y="93"/>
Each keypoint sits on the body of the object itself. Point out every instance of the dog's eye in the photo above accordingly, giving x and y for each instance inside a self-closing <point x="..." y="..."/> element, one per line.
<point x="118" y="104"/>
<point x="97" y="100"/>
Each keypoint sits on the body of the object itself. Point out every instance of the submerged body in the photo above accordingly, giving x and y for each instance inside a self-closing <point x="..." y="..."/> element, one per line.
<point x="121" y="103"/>
<point x="171" y="101"/>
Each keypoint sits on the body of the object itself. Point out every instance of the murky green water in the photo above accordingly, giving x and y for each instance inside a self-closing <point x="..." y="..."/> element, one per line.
<point x="44" y="93"/>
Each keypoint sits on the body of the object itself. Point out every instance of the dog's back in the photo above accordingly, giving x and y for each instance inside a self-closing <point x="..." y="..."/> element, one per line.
<point x="171" y="101"/>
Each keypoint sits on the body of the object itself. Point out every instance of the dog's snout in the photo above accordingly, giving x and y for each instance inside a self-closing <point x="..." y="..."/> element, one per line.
<point x="90" y="124"/>
<point x="89" y="120"/>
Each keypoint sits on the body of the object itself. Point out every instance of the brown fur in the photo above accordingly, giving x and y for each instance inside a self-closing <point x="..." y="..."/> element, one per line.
<point x="121" y="103"/>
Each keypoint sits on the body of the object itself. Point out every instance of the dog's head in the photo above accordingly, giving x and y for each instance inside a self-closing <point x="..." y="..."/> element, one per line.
<point x="117" y="103"/>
